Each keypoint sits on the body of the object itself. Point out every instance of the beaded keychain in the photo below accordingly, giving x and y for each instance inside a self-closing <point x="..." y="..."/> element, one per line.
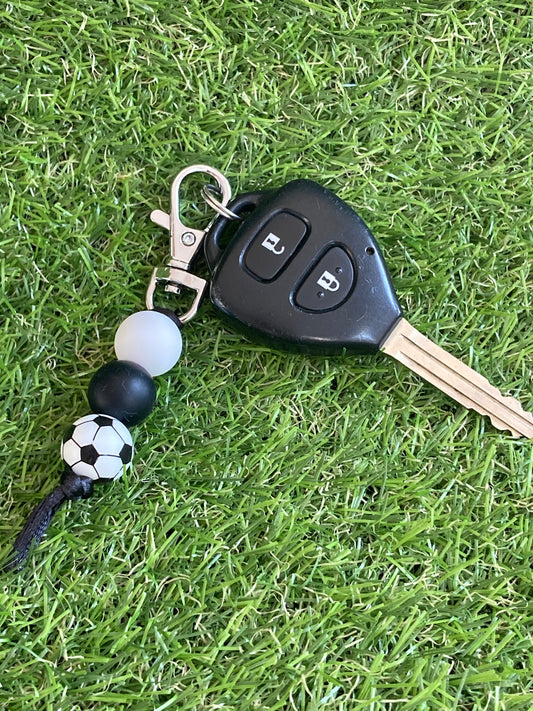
<point x="304" y="271"/>
<point x="98" y="447"/>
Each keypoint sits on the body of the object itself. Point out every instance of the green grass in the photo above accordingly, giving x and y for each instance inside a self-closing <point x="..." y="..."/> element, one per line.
<point x="297" y="533"/>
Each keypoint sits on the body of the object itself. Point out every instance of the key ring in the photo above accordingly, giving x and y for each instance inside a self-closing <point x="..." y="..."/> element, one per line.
<point x="220" y="207"/>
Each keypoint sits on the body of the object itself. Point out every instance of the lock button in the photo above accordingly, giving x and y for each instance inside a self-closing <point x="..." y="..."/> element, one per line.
<point x="328" y="283"/>
<point x="274" y="245"/>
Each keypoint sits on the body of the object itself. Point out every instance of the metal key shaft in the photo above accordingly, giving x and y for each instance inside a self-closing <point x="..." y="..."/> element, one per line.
<point x="408" y="346"/>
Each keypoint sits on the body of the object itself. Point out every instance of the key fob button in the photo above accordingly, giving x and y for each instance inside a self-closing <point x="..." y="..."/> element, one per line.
<point x="274" y="245"/>
<point x="328" y="283"/>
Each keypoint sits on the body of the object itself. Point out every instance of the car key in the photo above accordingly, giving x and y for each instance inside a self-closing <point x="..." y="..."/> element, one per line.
<point x="304" y="272"/>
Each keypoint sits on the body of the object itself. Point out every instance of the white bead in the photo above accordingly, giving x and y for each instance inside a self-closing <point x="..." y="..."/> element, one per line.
<point x="150" y="339"/>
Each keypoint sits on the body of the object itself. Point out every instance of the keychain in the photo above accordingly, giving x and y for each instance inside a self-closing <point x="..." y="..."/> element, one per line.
<point x="302" y="272"/>
<point x="98" y="447"/>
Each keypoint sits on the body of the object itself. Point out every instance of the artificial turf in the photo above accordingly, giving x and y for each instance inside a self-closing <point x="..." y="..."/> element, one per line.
<point x="297" y="532"/>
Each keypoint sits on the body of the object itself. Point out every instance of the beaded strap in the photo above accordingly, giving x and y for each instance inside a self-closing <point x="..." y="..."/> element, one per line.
<point x="98" y="447"/>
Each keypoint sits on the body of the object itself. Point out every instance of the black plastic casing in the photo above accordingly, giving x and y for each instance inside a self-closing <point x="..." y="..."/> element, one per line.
<point x="266" y="310"/>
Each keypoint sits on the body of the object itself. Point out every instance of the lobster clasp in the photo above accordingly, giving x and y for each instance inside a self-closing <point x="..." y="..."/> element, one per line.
<point x="184" y="245"/>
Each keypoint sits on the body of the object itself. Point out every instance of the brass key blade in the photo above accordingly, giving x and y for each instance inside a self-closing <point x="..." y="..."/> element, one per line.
<point x="434" y="364"/>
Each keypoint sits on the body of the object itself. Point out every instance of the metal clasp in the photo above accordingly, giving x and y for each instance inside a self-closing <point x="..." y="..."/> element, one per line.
<point x="184" y="243"/>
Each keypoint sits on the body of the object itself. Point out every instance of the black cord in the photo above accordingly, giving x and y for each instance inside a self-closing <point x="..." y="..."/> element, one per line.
<point x="72" y="487"/>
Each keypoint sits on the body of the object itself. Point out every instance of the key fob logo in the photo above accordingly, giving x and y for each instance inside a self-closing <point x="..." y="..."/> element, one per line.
<point x="328" y="281"/>
<point x="271" y="242"/>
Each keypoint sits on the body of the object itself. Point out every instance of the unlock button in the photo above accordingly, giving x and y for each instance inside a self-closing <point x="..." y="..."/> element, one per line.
<point x="274" y="245"/>
<point x="328" y="283"/>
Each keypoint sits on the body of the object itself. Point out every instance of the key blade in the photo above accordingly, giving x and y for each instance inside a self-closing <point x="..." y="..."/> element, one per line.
<point x="455" y="378"/>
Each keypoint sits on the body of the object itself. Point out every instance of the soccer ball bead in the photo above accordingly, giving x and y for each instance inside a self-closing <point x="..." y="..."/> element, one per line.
<point x="98" y="447"/>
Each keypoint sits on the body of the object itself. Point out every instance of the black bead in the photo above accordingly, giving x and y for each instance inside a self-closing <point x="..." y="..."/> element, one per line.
<point x="123" y="390"/>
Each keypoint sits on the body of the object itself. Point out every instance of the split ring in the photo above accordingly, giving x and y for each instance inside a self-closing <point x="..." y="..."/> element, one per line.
<point x="208" y="194"/>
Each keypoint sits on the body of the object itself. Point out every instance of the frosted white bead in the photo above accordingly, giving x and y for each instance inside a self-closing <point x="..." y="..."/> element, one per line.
<point x="150" y="339"/>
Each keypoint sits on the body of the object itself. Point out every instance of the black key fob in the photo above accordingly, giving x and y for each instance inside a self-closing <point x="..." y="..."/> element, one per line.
<point x="302" y="272"/>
